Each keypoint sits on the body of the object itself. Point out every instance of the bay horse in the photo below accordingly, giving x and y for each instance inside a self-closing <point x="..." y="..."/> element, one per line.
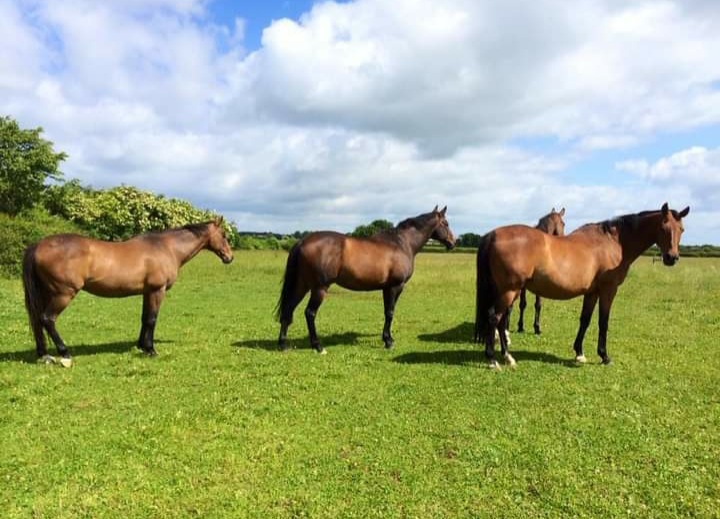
<point x="57" y="267"/>
<point x="384" y="261"/>
<point x="553" y="224"/>
<point x="592" y="261"/>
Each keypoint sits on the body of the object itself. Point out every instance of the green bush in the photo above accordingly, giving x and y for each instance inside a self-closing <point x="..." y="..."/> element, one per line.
<point x="17" y="232"/>
<point x="125" y="211"/>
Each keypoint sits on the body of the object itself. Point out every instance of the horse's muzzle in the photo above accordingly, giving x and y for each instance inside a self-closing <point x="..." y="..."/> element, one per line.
<point x="227" y="260"/>
<point x="670" y="259"/>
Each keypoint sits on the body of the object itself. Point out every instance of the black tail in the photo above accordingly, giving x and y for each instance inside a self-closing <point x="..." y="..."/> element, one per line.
<point x="285" y="306"/>
<point x="486" y="289"/>
<point x="35" y="298"/>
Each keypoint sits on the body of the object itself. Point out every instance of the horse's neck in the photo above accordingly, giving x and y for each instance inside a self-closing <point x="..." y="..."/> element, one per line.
<point x="187" y="245"/>
<point x="636" y="241"/>
<point x="415" y="238"/>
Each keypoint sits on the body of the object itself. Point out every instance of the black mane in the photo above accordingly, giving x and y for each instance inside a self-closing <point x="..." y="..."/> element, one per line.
<point x="625" y="222"/>
<point x="418" y="222"/>
<point x="198" y="229"/>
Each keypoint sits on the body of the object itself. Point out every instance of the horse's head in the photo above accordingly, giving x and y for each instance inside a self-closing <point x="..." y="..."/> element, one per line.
<point x="669" y="232"/>
<point x="217" y="242"/>
<point x="552" y="223"/>
<point x="442" y="232"/>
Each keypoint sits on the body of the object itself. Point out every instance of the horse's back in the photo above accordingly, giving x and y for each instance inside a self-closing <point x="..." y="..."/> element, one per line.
<point x="353" y="263"/>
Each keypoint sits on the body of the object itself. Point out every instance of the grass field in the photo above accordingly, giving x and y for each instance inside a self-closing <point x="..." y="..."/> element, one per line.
<point x="220" y="424"/>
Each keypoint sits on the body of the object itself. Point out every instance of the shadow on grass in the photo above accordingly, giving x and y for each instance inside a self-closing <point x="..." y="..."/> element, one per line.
<point x="463" y="332"/>
<point x="337" y="339"/>
<point x="80" y="350"/>
<point x="464" y="357"/>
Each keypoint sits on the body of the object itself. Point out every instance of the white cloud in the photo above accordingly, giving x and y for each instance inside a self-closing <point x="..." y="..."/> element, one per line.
<point x="370" y="108"/>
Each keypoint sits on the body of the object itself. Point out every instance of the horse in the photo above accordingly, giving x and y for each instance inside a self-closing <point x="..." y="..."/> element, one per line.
<point x="57" y="267"/>
<point x="553" y="224"/>
<point x="592" y="261"/>
<point x="384" y="261"/>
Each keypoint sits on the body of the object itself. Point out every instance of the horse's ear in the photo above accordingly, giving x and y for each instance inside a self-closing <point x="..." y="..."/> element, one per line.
<point x="665" y="210"/>
<point x="219" y="220"/>
<point x="435" y="210"/>
<point x="443" y="211"/>
<point x="562" y="212"/>
<point x="684" y="212"/>
<point x="552" y="210"/>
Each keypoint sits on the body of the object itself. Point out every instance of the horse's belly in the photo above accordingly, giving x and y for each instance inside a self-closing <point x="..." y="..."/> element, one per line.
<point x="558" y="287"/>
<point x="113" y="288"/>
<point x="366" y="278"/>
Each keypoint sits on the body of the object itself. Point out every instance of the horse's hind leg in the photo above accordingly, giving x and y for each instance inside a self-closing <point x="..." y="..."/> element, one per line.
<point x="523" y="305"/>
<point x="317" y="295"/>
<point x="286" y="320"/>
<point x="57" y="304"/>
<point x="538" y="309"/>
<point x="589" y="302"/>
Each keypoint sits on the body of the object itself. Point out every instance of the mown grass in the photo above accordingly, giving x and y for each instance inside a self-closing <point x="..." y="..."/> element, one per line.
<point x="220" y="424"/>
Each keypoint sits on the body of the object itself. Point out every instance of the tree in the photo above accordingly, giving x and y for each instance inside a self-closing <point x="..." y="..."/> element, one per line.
<point x="469" y="239"/>
<point x="27" y="161"/>
<point x="363" y="231"/>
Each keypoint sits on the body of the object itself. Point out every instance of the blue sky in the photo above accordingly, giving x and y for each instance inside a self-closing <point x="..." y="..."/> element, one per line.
<point x="290" y="114"/>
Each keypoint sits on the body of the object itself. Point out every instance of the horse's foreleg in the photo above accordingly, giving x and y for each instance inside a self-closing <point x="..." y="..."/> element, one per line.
<point x="606" y="300"/>
<point x="523" y="305"/>
<point x="316" y="298"/>
<point x="390" y="297"/>
<point x="57" y="304"/>
<point x="589" y="302"/>
<point x="538" y="309"/>
<point x="151" y="308"/>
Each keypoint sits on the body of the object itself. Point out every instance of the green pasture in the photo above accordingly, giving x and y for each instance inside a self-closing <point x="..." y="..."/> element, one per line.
<point x="221" y="424"/>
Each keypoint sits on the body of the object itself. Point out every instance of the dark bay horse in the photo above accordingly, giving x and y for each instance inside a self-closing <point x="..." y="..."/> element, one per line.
<point x="553" y="224"/>
<point x="591" y="261"/>
<point x="384" y="262"/>
<point x="57" y="267"/>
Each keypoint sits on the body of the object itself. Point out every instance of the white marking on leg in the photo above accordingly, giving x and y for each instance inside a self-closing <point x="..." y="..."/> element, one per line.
<point x="494" y="365"/>
<point x="580" y="359"/>
<point x="47" y="359"/>
<point x="66" y="362"/>
<point x="510" y="361"/>
<point x="507" y="338"/>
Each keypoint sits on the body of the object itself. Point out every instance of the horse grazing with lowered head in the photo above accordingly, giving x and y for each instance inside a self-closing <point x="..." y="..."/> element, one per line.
<point x="592" y="262"/>
<point x="553" y="224"/>
<point x="384" y="262"/>
<point x="57" y="267"/>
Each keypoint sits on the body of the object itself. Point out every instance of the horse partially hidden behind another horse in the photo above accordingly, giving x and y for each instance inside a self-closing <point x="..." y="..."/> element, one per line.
<point x="57" y="267"/>
<point x="552" y="224"/>
<point x="592" y="261"/>
<point x="384" y="262"/>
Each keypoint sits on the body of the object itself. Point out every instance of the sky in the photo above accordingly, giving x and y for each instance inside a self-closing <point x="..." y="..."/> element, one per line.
<point x="293" y="115"/>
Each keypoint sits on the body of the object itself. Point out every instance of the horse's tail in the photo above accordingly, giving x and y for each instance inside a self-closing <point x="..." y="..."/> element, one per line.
<point x="486" y="288"/>
<point x="35" y="297"/>
<point x="285" y="307"/>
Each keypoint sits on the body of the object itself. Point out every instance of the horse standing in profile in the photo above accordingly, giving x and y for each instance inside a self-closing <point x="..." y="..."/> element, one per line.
<point x="384" y="262"/>
<point x="552" y="224"/>
<point x="57" y="267"/>
<point x="592" y="261"/>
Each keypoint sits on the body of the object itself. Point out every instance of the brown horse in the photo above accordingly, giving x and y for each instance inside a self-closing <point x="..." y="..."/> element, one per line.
<point x="384" y="262"/>
<point x="591" y="261"/>
<point x="553" y="224"/>
<point x="57" y="267"/>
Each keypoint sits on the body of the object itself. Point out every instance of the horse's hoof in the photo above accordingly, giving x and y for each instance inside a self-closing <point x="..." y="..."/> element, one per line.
<point x="493" y="365"/>
<point x="150" y="353"/>
<point x="66" y="362"/>
<point x="321" y="351"/>
<point x="510" y="361"/>
<point x="389" y="345"/>
<point x="580" y="359"/>
<point x="606" y="361"/>
<point x="46" y="359"/>
<point x="283" y="348"/>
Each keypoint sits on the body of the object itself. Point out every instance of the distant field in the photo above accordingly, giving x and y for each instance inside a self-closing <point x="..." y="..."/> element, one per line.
<point x="220" y="424"/>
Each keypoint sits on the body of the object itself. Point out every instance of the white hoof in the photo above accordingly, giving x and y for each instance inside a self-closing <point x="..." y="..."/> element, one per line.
<point x="507" y="338"/>
<point x="494" y="365"/>
<point x="510" y="361"/>
<point x="46" y="359"/>
<point x="580" y="359"/>
<point x="322" y="352"/>
<point x="66" y="363"/>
